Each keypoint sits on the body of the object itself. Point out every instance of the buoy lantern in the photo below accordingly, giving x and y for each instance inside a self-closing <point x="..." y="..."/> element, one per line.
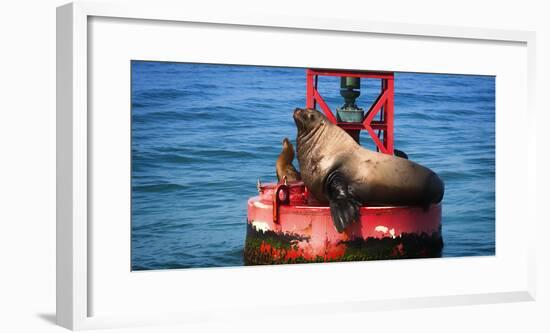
<point x="286" y="224"/>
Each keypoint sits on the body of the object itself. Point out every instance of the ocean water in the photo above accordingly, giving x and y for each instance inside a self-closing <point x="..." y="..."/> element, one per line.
<point x="203" y="134"/>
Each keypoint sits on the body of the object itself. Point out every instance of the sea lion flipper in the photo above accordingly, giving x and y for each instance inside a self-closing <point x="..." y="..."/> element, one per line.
<point x="343" y="206"/>
<point x="400" y="153"/>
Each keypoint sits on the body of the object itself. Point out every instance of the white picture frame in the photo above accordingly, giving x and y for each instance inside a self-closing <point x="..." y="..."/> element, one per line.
<point x="76" y="289"/>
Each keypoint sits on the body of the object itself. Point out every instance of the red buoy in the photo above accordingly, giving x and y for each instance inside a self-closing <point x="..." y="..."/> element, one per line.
<point x="286" y="225"/>
<point x="301" y="230"/>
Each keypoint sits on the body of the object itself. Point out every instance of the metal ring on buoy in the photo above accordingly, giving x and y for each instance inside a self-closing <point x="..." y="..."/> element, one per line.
<point x="278" y="200"/>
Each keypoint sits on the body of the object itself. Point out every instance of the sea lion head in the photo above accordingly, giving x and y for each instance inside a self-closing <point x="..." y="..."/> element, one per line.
<point x="286" y="143"/>
<point x="308" y="120"/>
<point x="288" y="149"/>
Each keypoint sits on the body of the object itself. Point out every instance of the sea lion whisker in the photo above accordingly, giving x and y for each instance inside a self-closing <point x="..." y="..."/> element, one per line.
<point x="305" y="138"/>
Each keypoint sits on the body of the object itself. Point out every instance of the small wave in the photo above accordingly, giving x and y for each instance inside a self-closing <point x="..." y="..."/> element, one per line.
<point x="144" y="104"/>
<point x="205" y="86"/>
<point x="152" y="159"/>
<point x="206" y="157"/>
<point x="404" y="98"/>
<point x="162" y="94"/>
<point x="227" y="153"/>
<point x="168" y="187"/>
<point x="199" y="117"/>
<point x="173" y="158"/>
<point x="456" y="175"/>
<point x="140" y="267"/>
<point x="480" y="157"/>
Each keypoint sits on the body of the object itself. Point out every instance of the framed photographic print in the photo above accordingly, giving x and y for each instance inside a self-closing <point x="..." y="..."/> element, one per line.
<point x="224" y="165"/>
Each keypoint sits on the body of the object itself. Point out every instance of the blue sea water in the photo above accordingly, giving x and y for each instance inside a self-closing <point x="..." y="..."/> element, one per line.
<point x="203" y="134"/>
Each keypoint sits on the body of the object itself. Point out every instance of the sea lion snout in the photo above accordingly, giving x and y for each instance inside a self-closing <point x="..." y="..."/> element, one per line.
<point x="307" y="119"/>
<point x="286" y="143"/>
<point x="298" y="118"/>
<point x="297" y="113"/>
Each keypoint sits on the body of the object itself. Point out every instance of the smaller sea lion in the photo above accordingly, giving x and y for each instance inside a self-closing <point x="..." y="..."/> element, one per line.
<point x="284" y="165"/>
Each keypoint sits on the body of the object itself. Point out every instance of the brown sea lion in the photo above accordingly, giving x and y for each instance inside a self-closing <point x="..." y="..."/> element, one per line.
<point x="340" y="172"/>
<point x="284" y="165"/>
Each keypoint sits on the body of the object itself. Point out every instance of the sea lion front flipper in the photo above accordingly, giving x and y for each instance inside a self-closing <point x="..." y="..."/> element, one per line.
<point x="343" y="206"/>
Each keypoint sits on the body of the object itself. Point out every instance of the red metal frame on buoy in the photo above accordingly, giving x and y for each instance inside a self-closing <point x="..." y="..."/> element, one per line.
<point x="382" y="105"/>
<point x="287" y="225"/>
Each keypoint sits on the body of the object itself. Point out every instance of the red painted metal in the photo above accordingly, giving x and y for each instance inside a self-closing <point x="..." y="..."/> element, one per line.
<point x="383" y="105"/>
<point x="324" y="106"/>
<point x="280" y="197"/>
<point x="303" y="217"/>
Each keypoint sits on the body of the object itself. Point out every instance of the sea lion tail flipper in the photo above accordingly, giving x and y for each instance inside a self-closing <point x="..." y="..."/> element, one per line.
<point x="343" y="206"/>
<point x="436" y="188"/>
<point x="400" y="153"/>
<point x="434" y="191"/>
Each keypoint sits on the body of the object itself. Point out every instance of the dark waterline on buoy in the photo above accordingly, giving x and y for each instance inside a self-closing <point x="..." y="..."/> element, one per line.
<point x="203" y="134"/>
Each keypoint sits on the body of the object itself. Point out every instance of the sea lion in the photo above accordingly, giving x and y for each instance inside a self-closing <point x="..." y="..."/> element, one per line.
<point x="338" y="171"/>
<point x="284" y="165"/>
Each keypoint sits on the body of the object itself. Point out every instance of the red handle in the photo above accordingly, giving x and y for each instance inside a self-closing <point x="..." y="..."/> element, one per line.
<point x="278" y="201"/>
